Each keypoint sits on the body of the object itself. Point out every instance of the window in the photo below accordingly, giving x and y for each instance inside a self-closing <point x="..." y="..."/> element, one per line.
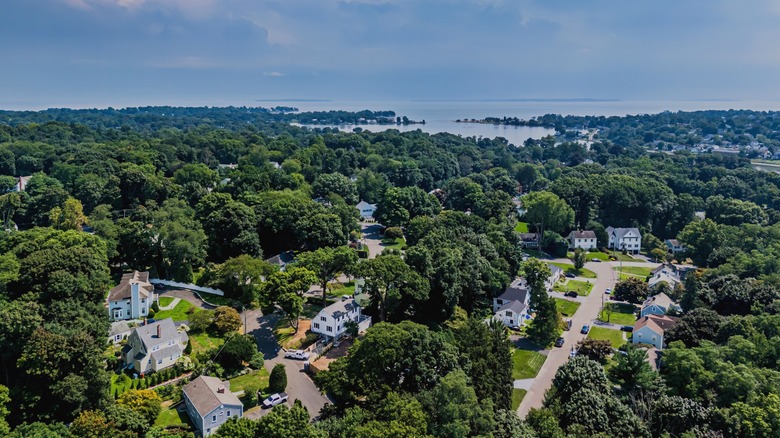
<point x="159" y="361"/>
<point x="228" y="413"/>
<point x="213" y="418"/>
<point x="316" y="325"/>
<point x="508" y="313"/>
<point x="329" y="328"/>
<point x="322" y="318"/>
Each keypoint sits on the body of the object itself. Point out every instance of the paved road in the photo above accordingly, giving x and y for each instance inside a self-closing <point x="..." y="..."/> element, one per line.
<point x="588" y="311"/>
<point x="299" y="384"/>
<point x="372" y="238"/>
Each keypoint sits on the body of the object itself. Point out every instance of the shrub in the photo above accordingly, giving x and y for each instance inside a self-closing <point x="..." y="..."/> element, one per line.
<point x="201" y="320"/>
<point x="155" y="307"/>
<point x="394" y="233"/>
<point x="278" y="380"/>
<point x="151" y="313"/>
<point x="257" y="361"/>
<point x="226" y="319"/>
<point x="249" y="399"/>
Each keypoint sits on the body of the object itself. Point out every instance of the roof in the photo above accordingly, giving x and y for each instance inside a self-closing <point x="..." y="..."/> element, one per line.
<point x="119" y="327"/>
<point x="587" y="234"/>
<point x="203" y="393"/>
<point x="555" y="270"/>
<point x="148" y="333"/>
<point x="661" y="300"/>
<point x="528" y="236"/>
<point x="514" y="292"/>
<point x="514" y="306"/>
<point x="282" y="259"/>
<point x="657" y="323"/>
<point x="122" y="291"/>
<point x="673" y="242"/>
<point x="620" y="232"/>
<point x="363" y="205"/>
<point x="341" y="307"/>
<point x="167" y="351"/>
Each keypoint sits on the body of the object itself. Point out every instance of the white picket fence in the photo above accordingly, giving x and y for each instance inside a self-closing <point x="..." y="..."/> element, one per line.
<point x="189" y="286"/>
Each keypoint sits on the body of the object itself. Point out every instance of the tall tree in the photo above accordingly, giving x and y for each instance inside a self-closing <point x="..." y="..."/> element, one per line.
<point x="388" y="280"/>
<point x="327" y="263"/>
<point x="548" y="211"/>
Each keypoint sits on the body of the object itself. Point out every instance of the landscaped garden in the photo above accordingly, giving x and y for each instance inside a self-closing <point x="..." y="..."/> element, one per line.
<point x="581" y="287"/>
<point x="618" y="313"/>
<point x="566" y="307"/>
<point x="615" y="337"/>
<point x="526" y="364"/>
<point x="569" y="269"/>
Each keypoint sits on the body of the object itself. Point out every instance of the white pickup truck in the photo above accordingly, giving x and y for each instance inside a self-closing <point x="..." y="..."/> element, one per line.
<point x="275" y="399"/>
<point x="297" y="354"/>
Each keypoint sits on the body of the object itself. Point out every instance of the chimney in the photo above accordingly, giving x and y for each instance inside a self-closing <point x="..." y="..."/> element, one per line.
<point x="221" y="389"/>
<point x="159" y="331"/>
<point x="145" y="322"/>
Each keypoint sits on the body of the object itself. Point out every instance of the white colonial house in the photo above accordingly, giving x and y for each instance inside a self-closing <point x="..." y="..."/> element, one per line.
<point x="555" y="274"/>
<point x="650" y="330"/>
<point x="131" y="298"/>
<point x="331" y="320"/>
<point x="366" y="210"/>
<point x="210" y="403"/>
<point x="511" y="307"/>
<point x="659" y="304"/>
<point x="582" y="239"/>
<point x="154" y="346"/>
<point x="628" y="239"/>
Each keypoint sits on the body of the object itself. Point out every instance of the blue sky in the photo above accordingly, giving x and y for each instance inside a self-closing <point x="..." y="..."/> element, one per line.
<point x="86" y="53"/>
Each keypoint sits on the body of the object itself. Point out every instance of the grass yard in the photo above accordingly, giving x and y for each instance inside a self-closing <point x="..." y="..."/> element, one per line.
<point x="526" y="364"/>
<point x="178" y="313"/>
<point x="639" y="271"/>
<point x="396" y="243"/>
<point x="204" y="341"/>
<point x="217" y="300"/>
<point x="569" y="269"/>
<point x="566" y="307"/>
<point x="164" y="301"/>
<point x="517" y="397"/>
<point x="288" y="338"/>
<point x="172" y="417"/>
<point x="521" y="227"/>
<point x="255" y="378"/>
<point x="622" y="313"/>
<point x="581" y="287"/>
<point x="615" y="337"/>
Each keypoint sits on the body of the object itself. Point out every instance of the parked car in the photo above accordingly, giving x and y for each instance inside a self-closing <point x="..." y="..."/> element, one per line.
<point x="627" y="328"/>
<point x="275" y="399"/>
<point x="572" y="294"/>
<point x="159" y="286"/>
<point x="585" y="329"/>
<point x="608" y="291"/>
<point x="568" y="325"/>
<point x="594" y="259"/>
<point x="559" y="342"/>
<point x="570" y="275"/>
<point x="297" y="354"/>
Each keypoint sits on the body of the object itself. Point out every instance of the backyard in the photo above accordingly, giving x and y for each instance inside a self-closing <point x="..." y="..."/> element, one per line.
<point x="566" y="307"/>
<point x="526" y="364"/>
<point x="569" y="269"/>
<point x="581" y="287"/>
<point x="622" y="313"/>
<point x="257" y="379"/>
<point x="169" y="416"/>
<point x="204" y="341"/>
<point x="521" y="227"/>
<point x="615" y="337"/>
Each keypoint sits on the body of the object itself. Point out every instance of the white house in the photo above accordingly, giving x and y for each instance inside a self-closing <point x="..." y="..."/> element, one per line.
<point x="120" y="330"/>
<point x="210" y="403"/>
<point x="366" y="210"/>
<point x="154" y="346"/>
<point x="131" y="298"/>
<point x="659" y="304"/>
<point x="628" y="239"/>
<point x="555" y="275"/>
<point x="331" y="320"/>
<point x="582" y="239"/>
<point x="511" y="307"/>
<point x="650" y="330"/>
<point x="665" y="273"/>
<point x="674" y="246"/>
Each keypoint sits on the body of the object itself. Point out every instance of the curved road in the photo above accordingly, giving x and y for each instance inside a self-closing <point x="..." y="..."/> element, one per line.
<point x="587" y="312"/>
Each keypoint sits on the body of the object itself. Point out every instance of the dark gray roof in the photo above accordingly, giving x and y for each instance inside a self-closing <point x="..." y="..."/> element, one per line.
<point x="148" y="333"/>
<point x="119" y="327"/>
<point x="513" y="293"/>
<point x="166" y="352"/>
<point x="514" y="306"/>
<point x="587" y="234"/>
<point x="204" y="394"/>
<point x="528" y="236"/>
<point x="555" y="270"/>
<point x="282" y="258"/>
<point x="341" y="308"/>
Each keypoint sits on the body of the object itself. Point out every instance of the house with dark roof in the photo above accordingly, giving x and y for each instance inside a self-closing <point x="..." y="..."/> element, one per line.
<point x="331" y="321"/>
<point x="282" y="259"/>
<point x="131" y="298"/>
<point x="582" y="239"/>
<point x="511" y="307"/>
<point x="154" y="346"/>
<point x="650" y="330"/>
<point x="625" y="239"/>
<point x="529" y="240"/>
<point x="210" y="403"/>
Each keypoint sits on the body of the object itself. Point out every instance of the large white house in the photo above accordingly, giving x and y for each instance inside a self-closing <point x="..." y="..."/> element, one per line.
<point x="366" y="210"/>
<point x="628" y="239"/>
<point x="511" y="307"/>
<point x="582" y="239"/>
<point x="331" y="320"/>
<point x="650" y="330"/>
<point x="131" y="298"/>
<point x="154" y="346"/>
<point x="210" y="403"/>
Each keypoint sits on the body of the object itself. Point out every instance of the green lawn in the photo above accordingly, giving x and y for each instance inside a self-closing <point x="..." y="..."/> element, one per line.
<point x="569" y="269"/>
<point x="566" y="307"/>
<point x="217" y="300"/>
<point x="521" y="227"/>
<point x="581" y="287"/>
<point x="517" y="397"/>
<point x="172" y="417"/>
<point x="640" y="271"/>
<point x="256" y="378"/>
<point x="615" y="337"/>
<point x="622" y="313"/>
<point x="178" y="313"/>
<point x="526" y="364"/>
<point x="164" y="301"/>
<point x="311" y="307"/>
<point x="396" y="243"/>
<point x="204" y="341"/>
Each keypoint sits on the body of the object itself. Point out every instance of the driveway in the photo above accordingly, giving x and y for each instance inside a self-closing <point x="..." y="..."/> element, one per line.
<point x="372" y="238"/>
<point x="299" y="384"/>
<point x="586" y="314"/>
